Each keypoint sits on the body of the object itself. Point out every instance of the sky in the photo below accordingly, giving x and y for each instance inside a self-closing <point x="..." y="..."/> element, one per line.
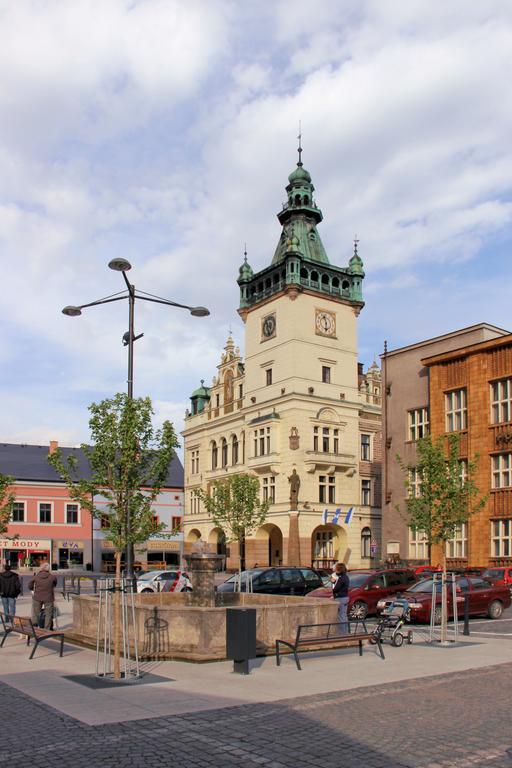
<point x="163" y="132"/>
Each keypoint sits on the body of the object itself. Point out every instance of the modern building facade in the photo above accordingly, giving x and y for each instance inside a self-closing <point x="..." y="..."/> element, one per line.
<point x="48" y="526"/>
<point x="408" y="391"/>
<point x="297" y="412"/>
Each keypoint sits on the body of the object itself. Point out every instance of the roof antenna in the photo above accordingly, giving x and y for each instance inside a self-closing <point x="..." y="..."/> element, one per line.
<point x="300" y="145"/>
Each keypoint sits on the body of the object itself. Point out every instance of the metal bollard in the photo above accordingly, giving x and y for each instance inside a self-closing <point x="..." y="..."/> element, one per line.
<point x="466" y="615"/>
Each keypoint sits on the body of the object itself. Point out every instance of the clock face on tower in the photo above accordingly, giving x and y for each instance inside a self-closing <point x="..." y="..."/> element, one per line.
<point x="268" y="326"/>
<point x="325" y="323"/>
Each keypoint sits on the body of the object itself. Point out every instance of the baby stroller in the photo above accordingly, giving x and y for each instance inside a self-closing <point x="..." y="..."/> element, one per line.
<point x="391" y="622"/>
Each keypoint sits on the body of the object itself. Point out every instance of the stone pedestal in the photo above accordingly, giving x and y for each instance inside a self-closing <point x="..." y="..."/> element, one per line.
<point x="293" y="539"/>
<point x="201" y="569"/>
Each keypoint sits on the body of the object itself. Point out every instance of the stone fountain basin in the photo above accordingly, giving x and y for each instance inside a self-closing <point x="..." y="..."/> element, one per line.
<point x="171" y="626"/>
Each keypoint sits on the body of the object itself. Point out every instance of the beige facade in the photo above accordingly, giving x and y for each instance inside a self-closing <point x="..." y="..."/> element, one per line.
<point x="296" y="402"/>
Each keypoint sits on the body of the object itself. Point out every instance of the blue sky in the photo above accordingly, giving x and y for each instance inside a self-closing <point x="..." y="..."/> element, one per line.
<point x="163" y="132"/>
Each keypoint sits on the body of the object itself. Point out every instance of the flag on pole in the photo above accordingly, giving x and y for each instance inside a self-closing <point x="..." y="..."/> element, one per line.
<point x="348" y="516"/>
<point x="324" y="516"/>
<point x="336" y="516"/>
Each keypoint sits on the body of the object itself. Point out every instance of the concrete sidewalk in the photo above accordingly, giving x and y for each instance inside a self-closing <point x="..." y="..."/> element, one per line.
<point x="181" y="687"/>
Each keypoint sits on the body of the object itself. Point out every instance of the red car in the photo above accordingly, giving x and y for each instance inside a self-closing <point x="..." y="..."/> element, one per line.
<point x="499" y="576"/>
<point x="368" y="587"/>
<point x="484" y="599"/>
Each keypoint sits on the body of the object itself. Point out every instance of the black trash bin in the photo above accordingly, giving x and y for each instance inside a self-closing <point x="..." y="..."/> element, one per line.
<point x="241" y="637"/>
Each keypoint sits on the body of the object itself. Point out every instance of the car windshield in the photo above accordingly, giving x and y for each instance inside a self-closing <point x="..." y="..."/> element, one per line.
<point x="357" y="579"/>
<point x="253" y="572"/>
<point x="493" y="573"/>
<point x="424" y="586"/>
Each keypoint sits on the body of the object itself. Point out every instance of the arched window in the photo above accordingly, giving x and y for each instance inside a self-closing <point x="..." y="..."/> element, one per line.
<point x="325" y="279"/>
<point x="335" y="282"/>
<point x="304" y="273"/>
<point x="306" y="200"/>
<point x="314" y="276"/>
<point x="345" y="285"/>
<point x="224" y="452"/>
<point x="215" y="455"/>
<point x="366" y="541"/>
<point x="234" y="449"/>
<point x="297" y="199"/>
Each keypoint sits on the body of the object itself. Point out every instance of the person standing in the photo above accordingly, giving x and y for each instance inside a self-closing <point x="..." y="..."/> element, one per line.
<point x="340" y="594"/>
<point x="43" y="585"/>
<point x="10" y="588"/>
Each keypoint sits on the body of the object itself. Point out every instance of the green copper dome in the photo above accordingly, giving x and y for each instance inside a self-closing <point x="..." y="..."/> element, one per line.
<point x="245" y="272"/>
<point x="300" y="174"/>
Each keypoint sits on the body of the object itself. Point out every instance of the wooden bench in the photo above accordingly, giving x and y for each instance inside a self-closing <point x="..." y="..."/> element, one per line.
<point x="327" y="635"/>
<point x="23" y="625"/>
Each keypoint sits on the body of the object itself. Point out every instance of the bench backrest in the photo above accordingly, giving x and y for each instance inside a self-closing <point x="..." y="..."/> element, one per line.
<point x="23" y="625"/>
<point x="311" y="632"/>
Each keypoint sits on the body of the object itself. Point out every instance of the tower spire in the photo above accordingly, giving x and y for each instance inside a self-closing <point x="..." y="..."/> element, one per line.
<point x="356" y="240"/>
<point x="299" y="150"/>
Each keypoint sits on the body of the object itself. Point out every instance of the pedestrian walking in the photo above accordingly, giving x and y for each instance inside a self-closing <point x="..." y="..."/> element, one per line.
<point x="340" y="594"/>
<point x="10" y="588"/>
<point x="43" y="585"/>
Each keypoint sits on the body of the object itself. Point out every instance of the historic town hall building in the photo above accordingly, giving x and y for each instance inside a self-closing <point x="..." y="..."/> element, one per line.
<point x="298" y="412"/>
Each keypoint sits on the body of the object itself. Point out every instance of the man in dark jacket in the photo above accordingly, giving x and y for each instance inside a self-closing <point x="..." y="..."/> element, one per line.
<point x="340" y="594"/>
<point x="10" y="588"/>
<point x="43" y="584"/>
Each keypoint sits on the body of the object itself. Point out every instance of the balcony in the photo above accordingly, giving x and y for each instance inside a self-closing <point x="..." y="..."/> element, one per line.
<point x="270" y="462"/>
<point x="329" y="462"/>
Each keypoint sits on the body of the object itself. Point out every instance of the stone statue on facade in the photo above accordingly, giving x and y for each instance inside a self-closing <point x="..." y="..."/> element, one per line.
<point x="294" y="481"/>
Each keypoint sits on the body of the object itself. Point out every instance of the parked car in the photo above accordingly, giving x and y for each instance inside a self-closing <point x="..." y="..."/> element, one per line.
<point x="484" y="599"/>
<point x="367" y="587"/>
<point x="499" y="576"/>
<point x="164" y="581"/>
<point x="276" y="581"/>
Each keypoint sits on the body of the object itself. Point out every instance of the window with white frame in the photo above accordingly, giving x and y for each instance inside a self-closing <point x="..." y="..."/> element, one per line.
<point x="45" y="512"/>
<point x="269" y="489"/>
<point x="418" y="544"/>
<point x="72" y="514"/>
<point x="463" y="464"/>
<point x="417" y="423"/>
<point x="324" y="545"/>
<point x="457" y="546"/>
<point x="414" y="487"/>
<point x="366" y="542"/>
<point x="194" y="462"/>
<point x="366" y="492"/>
<point x="501" y="401"/>
<point x="365" y="447"/>
<point x="502" y="470"/>
<point x="262" y="441"/>
<point x="326" y="489"/>
<point x="501" y="538"/>
<point x="18" y="512"/>
<point x="326" y="439"/>
<point x="456" y="410"/>
<point x="195" y="502"/>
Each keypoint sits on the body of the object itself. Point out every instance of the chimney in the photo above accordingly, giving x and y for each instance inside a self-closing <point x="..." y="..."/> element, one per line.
<point x="53" y="445"/>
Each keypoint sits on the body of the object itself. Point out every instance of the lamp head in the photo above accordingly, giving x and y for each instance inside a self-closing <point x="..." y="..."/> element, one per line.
<point x="199" y="311"/>
<point x="120" y="265"/>
<point x="72" y="311"/>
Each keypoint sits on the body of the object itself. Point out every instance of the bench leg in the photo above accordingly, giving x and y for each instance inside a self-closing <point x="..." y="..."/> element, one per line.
<point x="3" y="639"/>
<point x="278" y="657"/>
<point x="379" y="646"/>
<point x="360" y="647"/>
<point x="61" y="646"/>
<point x="34" y="649"/>
<point x="296" y="655"/>
<point x="28" y="639"/>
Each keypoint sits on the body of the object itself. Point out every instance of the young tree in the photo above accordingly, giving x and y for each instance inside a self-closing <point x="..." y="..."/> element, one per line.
<point x="447" y="496"/>
<point x="235" y="507"/>
<point x="129" y="460"/>
<point x="6" y="502"/>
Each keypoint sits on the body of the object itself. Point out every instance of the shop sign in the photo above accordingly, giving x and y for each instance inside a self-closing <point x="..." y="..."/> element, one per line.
<point x="106" y="544"/>
<point x="164" y="545"/>
<point x="40" y="544"/>
<point x="63" y="544"/>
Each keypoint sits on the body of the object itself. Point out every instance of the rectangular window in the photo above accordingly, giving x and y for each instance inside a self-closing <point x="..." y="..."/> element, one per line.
<point x="335" y="441"/>
<point x="365" y="447"/>
<point x="325" y="439"/>
<point x="322" y="489"/>
<point x="331" y="489"/>
<point x="45" y="513"/>
<point x="326" y="374"/>
<point x="456" y="410"/>
<point x="269" y="489"/>
<point x="72" y="514"/>
<point x="194" y="463"/>
<point x="366" y="493"/>
<point x="315" y="438"/>
<point x="240" y="391"/>
<point x="502" y="470"/>
<point x="18" y="512"/>
<point x="327" y="489"/>
<point x="414" y="483"/>
<point x="195" y="503"/>
<point x="457" y="546"/>
<point x="176" y="523"/>
<point x="418" y="544"/>
<point x="501" y="397"/>
<point x="217" y="401"/>
<point x="268" y="374"/>
<point x="417" y="423"/>
<point x="501" y="538"/>
<point x="105" y="521"/>
<point x="262" y="441"/>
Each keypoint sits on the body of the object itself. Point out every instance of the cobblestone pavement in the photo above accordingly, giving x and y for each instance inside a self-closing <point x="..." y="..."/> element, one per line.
<point x="460" y="720"/>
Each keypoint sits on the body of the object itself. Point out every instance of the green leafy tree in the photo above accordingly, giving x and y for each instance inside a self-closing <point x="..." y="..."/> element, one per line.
<point x="129" y="460"/>
<point x="447" y="498"/>
<point x="6" y="502"/>
<point x="235" y="507"/>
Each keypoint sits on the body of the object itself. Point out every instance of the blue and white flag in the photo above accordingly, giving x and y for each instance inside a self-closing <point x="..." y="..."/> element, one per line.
<point x="324" y="516"/>
<point x="348" y="516"/>
<point x="336" y="516"/>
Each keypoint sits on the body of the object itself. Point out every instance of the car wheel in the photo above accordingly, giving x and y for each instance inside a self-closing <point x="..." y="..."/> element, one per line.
<point x="495" y="609"/>
<point x="188" y="589"/>
<point x="359" y="610"/>
<point x="398" y="639"/>
<point x="146" y="590"/>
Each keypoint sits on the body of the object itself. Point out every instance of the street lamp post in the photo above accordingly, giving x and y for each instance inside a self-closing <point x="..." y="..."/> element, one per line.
<point x="122" y="265"/>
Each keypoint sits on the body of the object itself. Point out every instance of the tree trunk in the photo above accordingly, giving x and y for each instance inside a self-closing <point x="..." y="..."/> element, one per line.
<point x="444" y="598"/>
<point x="117" y="619"/>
